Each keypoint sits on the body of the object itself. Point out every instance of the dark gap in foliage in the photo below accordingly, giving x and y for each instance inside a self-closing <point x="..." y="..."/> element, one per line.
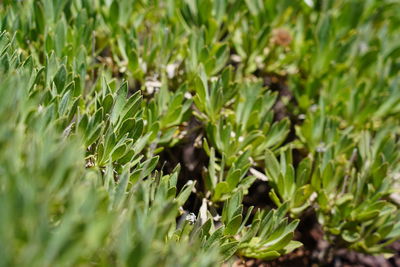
<point x="278" y="83"/>
<point x="191" y="159"/>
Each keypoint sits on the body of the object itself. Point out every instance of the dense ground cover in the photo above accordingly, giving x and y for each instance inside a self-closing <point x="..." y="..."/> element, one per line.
<point x="199" y="132"/>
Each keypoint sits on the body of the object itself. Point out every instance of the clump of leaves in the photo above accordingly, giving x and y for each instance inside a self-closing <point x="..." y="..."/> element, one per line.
<point x="352" y="197"/>
<point x="92" y="91"/>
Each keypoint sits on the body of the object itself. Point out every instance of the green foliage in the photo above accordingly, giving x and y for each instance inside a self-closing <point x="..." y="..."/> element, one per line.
<point x="98" y="96"/>
<point x="292" y="185"/>
<point x="267" y="237"/>
<point x="352" y="197"/>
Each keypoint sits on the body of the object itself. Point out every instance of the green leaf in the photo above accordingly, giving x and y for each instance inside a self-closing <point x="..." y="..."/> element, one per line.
<point x="221" y="189"/>
<point x="350" y="236"/>
<point x="212" y="177"/>
<point x="120" y="190"/>
<point x="215" y="238"/>
<point x="233" y="225"/>
<point x="60" y="79"/>
<point x="228" y="249"/>
<point x="233" y="179"/>
<point x="272" y="167"/>
<point x="185" y="193"/>
<point x="119" y="103"/>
